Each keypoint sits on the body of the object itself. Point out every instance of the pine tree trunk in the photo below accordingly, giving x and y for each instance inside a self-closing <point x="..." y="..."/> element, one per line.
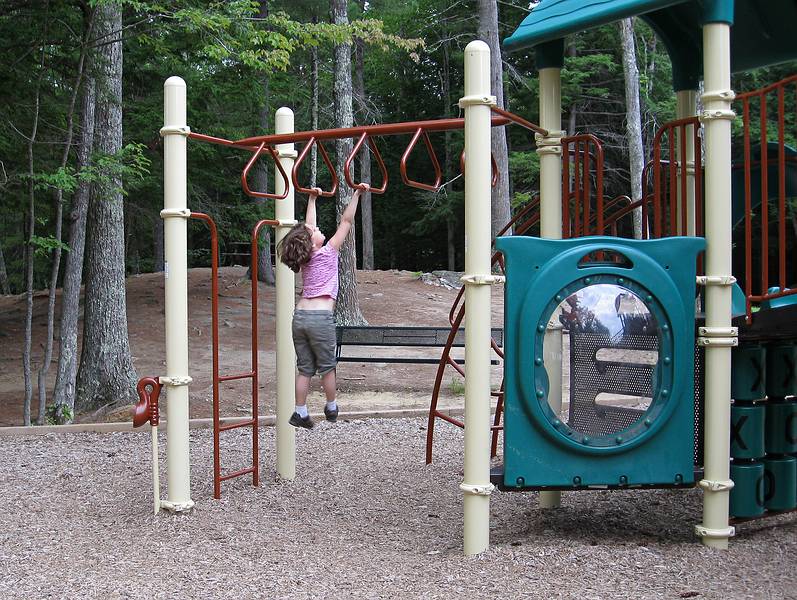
<point x="347" y="309"/>
<point x="633" y="118"/>
<point x="29" y="253"/>
<point x="5" y="289"/>
<point x="572" y="52"/>
<point x="106" y="373"/>
<point x="488" y="31"/>
<point x="448" y="159"/>
<point x="366" y="214"/>
<point x="157" y="242"/>
<point x="265" y="270"/>
<point x="56" y="256"/>
<point x="314" y="110"/>
<point x="64" y="392"/>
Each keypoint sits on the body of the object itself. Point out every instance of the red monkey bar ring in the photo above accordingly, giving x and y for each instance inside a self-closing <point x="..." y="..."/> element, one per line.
<point x="492" y="162"/>
<point x="438" y="175"/>
<point x="328" y="163"/>
<point x="252" y="161"/>
<point x="379" y="161"/>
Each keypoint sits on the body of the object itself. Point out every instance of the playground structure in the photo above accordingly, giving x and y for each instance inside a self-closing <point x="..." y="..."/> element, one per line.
<point x="682" y="184"/>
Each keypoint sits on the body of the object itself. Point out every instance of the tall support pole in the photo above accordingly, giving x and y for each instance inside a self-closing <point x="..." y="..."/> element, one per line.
<point x="549" y="149"/>
<point x="685" y="103"/>
<point x="476" y="486"/>
<point x="717" y="336"/>
<point x="175" y="213"/>
<point x="285" y="278"/>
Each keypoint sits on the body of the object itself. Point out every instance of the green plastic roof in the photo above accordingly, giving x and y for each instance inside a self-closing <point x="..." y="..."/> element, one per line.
<point x="763" y="33"/>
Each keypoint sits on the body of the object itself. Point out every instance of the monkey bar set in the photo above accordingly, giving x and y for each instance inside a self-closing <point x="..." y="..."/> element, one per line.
<point x="480" y="174"/>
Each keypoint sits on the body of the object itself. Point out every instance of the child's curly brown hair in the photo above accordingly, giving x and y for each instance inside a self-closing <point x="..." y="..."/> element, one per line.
<point x="295" y="248"/>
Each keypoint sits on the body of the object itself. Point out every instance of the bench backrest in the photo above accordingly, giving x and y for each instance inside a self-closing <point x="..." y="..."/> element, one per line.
<point x="404" y="336"/>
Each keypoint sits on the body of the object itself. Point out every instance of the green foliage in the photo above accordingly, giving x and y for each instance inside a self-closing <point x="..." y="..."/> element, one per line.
<point x="456" y="386"/>
<point x="58" y="414"/>
<point x="45" y="245"/>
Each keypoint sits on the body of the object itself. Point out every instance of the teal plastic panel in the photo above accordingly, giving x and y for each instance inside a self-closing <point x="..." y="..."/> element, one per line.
<point x="540" y="450"/>
<point x="762" y="32"/>
<point x="552" y="19"/>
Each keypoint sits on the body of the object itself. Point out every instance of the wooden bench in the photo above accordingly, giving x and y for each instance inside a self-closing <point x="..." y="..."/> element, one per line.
<point x="414" y="337"/>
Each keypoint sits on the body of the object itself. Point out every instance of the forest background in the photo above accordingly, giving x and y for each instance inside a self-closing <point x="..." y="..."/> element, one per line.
<point x="81" y="96"/>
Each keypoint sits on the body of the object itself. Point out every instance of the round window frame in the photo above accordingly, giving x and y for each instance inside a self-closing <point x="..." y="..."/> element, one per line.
<point x="661" y="405"/>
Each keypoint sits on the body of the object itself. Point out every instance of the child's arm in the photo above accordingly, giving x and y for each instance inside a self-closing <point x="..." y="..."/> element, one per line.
<point x="309" y="216"/>
<point x="347" y="218"/>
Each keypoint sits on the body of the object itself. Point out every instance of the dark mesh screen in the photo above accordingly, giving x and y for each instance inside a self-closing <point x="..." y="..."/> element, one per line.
<point x="590" y="377"/>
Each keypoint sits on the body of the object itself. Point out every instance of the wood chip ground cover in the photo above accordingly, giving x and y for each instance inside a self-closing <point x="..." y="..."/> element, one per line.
<point x="364" y="518"/>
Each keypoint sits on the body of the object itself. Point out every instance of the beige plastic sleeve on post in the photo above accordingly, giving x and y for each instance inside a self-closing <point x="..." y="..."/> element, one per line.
<point x="178" y="470"/>
<point x="551" y="221"/>
<point x="476" y="485"/>
<point x="717" y="116"/>
<point x="285" y="278"/>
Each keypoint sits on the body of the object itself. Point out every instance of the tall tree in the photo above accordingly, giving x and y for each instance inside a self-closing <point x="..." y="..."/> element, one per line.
<point x="4" y="287"/>
<point x="64" y="392"/>
<point x="30" y="252"/>
<point x="366" y="216"/>
<point x="633" y="121"/>
<point x="58" y="199"/>
<point x="347" y="309"/>
<point x="488" y="32"/>
<point x="265" y="270"/>
<point x="106" y="373"/>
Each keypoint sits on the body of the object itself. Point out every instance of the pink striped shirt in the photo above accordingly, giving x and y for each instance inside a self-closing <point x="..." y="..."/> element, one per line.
<point x="320" y="274"/>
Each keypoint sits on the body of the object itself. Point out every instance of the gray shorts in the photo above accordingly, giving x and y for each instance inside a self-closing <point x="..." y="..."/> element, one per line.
<point x="315" y="341"/>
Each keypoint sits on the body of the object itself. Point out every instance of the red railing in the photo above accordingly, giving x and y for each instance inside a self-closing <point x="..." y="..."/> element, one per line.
<point x="582" y="186"/>
<point x="770" y="114"/>
<point x="670" y="197"/>
<point x="528" y="217"/>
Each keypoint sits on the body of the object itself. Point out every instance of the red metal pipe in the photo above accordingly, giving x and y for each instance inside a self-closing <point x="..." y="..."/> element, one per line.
<point x="370" y="130"/>
<point x="214" y="320"/>
<point x="764" y="197"/>
<point x="748" y="216"/>
<point x="781" y="189"/>
<point x="255" y="373"/>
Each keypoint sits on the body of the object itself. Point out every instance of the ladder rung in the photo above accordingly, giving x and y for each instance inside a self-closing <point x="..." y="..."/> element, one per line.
<point x="238" y="376"/>
<point x="236" y="474"/>
<point x="236" y="425"/>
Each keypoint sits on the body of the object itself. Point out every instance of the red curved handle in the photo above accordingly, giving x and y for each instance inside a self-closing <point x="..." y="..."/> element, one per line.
<point x="146" y="409"/>
<point x="252" y="161"/>
<point x="330" y="168"/>
<point x="379" y="161"/>
<point x="438" y="175"/>
<point x="493" y="164"/>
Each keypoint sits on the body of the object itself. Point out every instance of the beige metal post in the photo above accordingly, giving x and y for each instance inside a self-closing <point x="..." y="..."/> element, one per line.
<point x="550" y="150"/>
<point x="685" y="107"/>
<point x="717" y="336"/>
<point x="156" y="481"/>
<point x="175" y="213"/>
<point x="476" y="485"/>
<point x="286" y="357"/>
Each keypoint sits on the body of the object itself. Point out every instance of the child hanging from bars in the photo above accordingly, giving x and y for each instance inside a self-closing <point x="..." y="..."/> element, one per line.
<point x="303" y="249"/>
